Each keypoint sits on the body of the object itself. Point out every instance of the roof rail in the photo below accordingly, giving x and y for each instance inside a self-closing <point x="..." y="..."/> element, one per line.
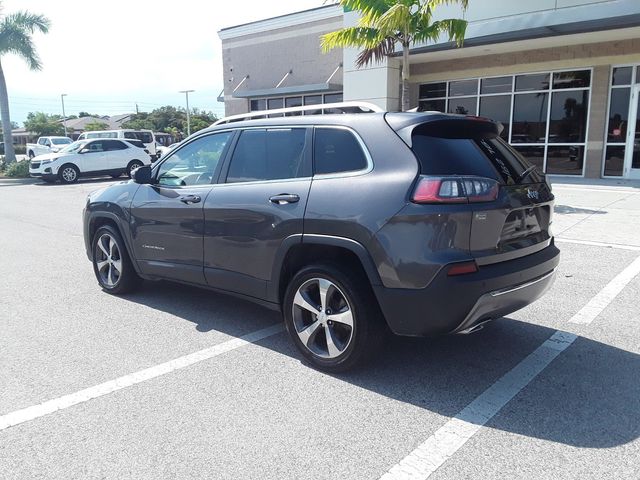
<point x="346" y="107"/>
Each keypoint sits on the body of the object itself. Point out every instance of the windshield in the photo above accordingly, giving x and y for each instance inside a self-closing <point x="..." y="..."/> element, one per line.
<point x="74" y="147"/>
<point x="61" y="141"/>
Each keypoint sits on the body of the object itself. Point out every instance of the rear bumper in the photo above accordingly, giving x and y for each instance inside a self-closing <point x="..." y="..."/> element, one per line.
<point x="458" y="304"/>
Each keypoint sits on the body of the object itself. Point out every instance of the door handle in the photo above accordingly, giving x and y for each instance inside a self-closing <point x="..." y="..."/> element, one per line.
<point x="284" y="198"/>
<point x="187" y="199"/>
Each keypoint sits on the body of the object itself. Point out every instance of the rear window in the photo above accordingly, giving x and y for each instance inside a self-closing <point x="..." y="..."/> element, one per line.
<point x="468" y="150"/>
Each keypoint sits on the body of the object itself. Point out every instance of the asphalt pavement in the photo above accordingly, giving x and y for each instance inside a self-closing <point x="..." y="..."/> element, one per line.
<point x="173" y="381"/>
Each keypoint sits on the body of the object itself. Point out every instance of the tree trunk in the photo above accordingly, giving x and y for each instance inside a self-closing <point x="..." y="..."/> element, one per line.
<point x="9" y="152"/>
<point x="406" y="73"/>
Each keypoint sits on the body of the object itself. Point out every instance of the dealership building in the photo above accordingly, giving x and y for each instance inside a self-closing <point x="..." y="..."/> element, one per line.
<point x="562" y="76"/>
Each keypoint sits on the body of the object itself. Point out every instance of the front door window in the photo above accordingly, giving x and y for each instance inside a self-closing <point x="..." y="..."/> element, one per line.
<point x="195" y="163"/>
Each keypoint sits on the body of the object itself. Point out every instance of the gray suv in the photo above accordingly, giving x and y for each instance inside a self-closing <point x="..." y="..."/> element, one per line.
<point x="351" y="225"/>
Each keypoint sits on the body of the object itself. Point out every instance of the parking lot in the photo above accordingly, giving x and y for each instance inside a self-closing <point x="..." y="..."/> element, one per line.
<point x="177" y="382"/>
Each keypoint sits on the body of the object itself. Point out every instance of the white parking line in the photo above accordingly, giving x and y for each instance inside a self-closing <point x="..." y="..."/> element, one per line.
<point x="36" y="411"/>
<point x="620" y="246"/>
<point x="448" y="439"/>
<point x="597" y="304"/>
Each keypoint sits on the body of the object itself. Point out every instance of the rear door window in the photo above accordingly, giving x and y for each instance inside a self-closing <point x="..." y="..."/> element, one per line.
<point x="273" y="154"/>
<point x="110" y="145"/>
<point x="337" y="150"/>
<point x="455" y="150"/>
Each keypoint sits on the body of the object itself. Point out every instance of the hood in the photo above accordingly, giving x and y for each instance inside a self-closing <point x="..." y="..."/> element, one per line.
<point x="49" y="156"/>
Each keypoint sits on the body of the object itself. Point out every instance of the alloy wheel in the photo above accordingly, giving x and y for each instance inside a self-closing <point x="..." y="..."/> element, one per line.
<point x="323" y="318"/>
<point x="108" y="261"/>
<point x="69" y="174"/>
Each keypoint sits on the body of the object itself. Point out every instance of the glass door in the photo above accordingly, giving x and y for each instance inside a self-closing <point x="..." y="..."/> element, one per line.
<point x="632" y="151"/>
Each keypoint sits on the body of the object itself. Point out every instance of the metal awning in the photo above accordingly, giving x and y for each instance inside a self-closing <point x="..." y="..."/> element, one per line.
<point x="289" y="90"/>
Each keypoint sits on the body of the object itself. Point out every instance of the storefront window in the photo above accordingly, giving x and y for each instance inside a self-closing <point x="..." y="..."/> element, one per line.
<point x="622" y="78"/>
<point x="462" y="88"/>
<point x="614" y="160"/>
<point x="259" y="104"/>
<point x="496" y="85"/>
<point x="432" y="105"/>
<point x="543" y="114"/>
<point x="463" y="106"/>
<point x="537" y="81"/>
<point x="618" y="115"/>
<point x="578" y="79"/>
<point x="497" y="107"/>
<point x="565" y="160"/>
<point x="433" y="90"/>
<point x="568" y="120"/>
<point x="293" y="102"/>
<point x="530" y="118"/>
<point x="534" y="155"/>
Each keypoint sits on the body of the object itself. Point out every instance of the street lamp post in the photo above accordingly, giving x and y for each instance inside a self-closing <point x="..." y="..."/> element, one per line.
<point x="186" y="94"/>
<point x="64" y="115"/>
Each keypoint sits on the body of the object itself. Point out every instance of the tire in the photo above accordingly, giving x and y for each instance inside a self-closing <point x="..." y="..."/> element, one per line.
<point x="111" y="262"/>
<point x="333" y="345"/>
<point x="68" y="173"/>
<point x="133" y="164"/>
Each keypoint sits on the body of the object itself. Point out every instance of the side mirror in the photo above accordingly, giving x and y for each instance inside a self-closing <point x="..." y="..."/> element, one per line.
<point x="142" y="175"/>
<point x="84" y="150"/>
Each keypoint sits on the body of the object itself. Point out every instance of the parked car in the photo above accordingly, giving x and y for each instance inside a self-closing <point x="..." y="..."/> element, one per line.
<point x="47" y="145"/>
<point x="352" y="224"/>
<point x="163" y="150"/>
<point x="145" y="136"/>
<point x="89" y="158"/>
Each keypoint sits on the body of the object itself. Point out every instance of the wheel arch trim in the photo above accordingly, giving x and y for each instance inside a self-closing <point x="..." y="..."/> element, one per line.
<point x="101" y="214"/>
<point x="273" y="289"/>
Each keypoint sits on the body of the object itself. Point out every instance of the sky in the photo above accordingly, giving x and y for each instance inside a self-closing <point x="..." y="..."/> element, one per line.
<point x="107" y="56"/>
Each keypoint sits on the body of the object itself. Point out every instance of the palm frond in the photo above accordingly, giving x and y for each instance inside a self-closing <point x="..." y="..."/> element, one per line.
<point x="358" y="37"/>
<point x="452" y="28"/>
<point x="30" y="22"/>
<point x="396" y="20"/>
<point x="17" y="42"/>
<point x="376" y="54"/>
<point x="436" y="3"/>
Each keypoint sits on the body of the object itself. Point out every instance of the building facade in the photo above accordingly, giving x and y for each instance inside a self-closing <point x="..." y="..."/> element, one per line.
<point x="562" y="76"/>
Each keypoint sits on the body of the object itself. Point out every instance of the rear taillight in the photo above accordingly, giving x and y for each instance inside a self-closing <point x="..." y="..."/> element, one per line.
<point x="466" y="189"/>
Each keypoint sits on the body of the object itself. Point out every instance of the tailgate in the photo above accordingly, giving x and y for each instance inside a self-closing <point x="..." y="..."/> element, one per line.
<point x="515" y="225"/>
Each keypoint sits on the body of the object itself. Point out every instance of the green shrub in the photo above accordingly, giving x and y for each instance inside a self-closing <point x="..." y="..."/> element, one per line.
<point x="20" y="149"/>
<point x="18" y="169"/>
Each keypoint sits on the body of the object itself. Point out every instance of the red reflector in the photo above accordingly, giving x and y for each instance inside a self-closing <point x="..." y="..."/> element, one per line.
<point x="462" y="268"/>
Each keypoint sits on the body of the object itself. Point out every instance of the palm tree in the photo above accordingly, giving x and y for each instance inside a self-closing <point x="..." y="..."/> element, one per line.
<point x="385" y="23"/>
<point x="16" y="30"/>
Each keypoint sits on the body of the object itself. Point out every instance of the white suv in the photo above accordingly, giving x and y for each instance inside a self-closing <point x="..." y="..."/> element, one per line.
<point x="145" y="136"/>
<point x="89" y="158"/>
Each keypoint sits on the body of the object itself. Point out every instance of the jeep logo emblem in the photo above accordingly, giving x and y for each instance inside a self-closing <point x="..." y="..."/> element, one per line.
<point x="533" y="194"/>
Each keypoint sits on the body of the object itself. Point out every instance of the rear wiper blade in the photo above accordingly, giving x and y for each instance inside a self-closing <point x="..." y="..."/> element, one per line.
<point x="526" y="173"/>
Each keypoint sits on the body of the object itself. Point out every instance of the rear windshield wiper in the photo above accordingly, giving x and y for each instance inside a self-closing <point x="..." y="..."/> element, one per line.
<point x="526" y="173"/>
